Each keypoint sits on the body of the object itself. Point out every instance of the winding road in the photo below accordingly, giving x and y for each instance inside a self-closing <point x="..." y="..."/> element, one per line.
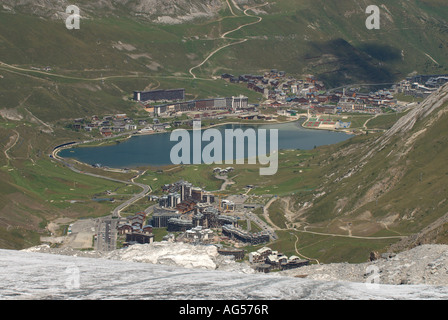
<point x="230" y="7"/>
<point x="12" y="145"/>
<point x="301" y="255"/>
<point x="106" y="227"/>
<point x="276" y="228"/>
<point x="368" y="120"/>
<point x="349" y="235"/>
<point x="224" y="36"/>
<point x="116" y="212"/>
<point x="24" y="71"/>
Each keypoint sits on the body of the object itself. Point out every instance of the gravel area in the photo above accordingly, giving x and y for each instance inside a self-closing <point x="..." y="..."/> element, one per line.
<point x="425" y="264"/>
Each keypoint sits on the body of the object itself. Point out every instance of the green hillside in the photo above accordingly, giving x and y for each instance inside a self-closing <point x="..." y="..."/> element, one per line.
<point x="120" y="49"/>
<point x="324" y="38"/>
<point x="385" y="185"/>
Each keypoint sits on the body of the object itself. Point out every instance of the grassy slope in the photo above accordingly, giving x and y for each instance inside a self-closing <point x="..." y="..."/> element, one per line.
<point x="156" y="58"/>
<point x="167" y="51"/>
<point x="301" y="174"/>
<point x="34" y="189"/>
<point x="319" y="37"/>
<point x="199" y="175"/>
<point x="300" y="38"/>
<point x="405" y="194"/>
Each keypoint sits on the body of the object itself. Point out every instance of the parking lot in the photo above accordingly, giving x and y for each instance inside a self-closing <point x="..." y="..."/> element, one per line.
<point x="80" y="234"/>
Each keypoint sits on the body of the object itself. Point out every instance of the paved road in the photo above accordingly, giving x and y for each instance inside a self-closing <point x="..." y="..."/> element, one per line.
<point x="107" y="231"/>
<point x="347" y="235"/>
<point x="106" y="228"/>
<point x="145" y="191"/>
<point x="106" y="239"/>
<point x="263" y="225"/>
<point x="117" y="210"/>
<point x="266" y="212"/>
<point x="227" y="181"/>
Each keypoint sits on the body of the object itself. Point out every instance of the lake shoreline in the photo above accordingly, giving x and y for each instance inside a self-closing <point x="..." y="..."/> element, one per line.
<point x="116" y="139"/>
<point x="155" y="154"/>
<point x="102" y="142"/>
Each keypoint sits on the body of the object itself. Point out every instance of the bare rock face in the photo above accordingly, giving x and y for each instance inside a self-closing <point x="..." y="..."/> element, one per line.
<point x="54" y="9"/>
<point x="159" y="11"/>
<point x="421" y="111"/>
<point x="374" y="255"/>
<point x="426" y="264"/>
<point x="176" y="8"/>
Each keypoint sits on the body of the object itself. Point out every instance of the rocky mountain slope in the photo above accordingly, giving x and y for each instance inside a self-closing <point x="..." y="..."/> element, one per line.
<point x="153" y="10"/>
<point x="315" y="37"/>
<point x="422" y="265"/>
<point x="391" y="184"/>
<point x="425" y="264"/>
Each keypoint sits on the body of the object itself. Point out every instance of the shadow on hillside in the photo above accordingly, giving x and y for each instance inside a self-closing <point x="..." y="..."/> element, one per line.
<point x="348" y="64"/>
<point x="381" y="52"/>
